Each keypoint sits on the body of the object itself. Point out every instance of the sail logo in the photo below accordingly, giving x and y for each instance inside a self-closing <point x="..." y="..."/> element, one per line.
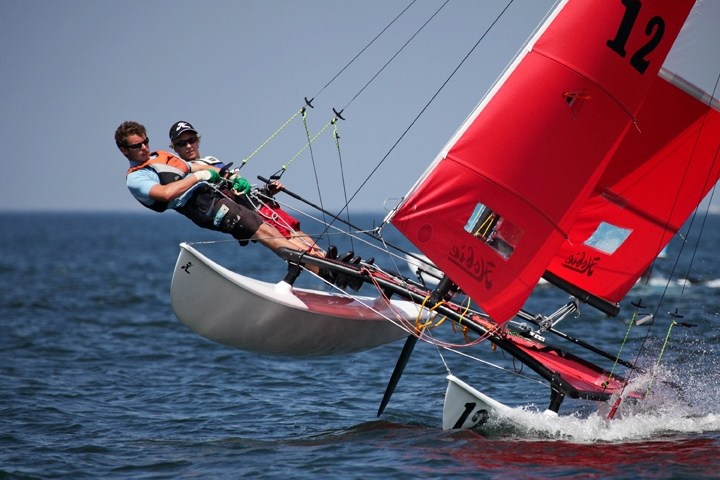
<point x="475" y="265"/>
<point x="582" y="263"/>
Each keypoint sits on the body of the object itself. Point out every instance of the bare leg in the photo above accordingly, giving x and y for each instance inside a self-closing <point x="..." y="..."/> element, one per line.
<point x="301" y="238"/>
<point x="272" y="239"/>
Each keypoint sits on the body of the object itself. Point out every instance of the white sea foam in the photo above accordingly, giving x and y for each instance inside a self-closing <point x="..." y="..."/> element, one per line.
<point x="667" y="411"/>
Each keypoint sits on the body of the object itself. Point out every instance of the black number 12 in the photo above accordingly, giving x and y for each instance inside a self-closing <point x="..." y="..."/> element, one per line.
<point x="655" y="29"/>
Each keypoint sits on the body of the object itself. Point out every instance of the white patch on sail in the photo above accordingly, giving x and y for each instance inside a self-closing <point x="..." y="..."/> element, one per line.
<point x="693" y="63"/>
<point x="607" y="238"/>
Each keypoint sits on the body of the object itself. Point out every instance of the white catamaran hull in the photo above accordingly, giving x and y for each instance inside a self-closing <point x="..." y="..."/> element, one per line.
<point x="466" y="407"/>
<point x="277" y="319"/>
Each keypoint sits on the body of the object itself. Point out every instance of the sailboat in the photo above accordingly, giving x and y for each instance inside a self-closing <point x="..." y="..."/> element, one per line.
<point x="578" y="166"/>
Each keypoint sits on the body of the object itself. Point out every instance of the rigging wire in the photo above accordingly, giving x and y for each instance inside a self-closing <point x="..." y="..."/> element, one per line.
<point x="396" y="54"/>
<point x="312" y="158"/>
<point x="695" y="214"/>
<point x="363" y="49"/>
<point x="427" y="104"/>
<point x="308" y="103"/>
<point x="336" y="136"/>
<point x="693" y="217"/>
<point x="345" y="207"/>
<point x="712" y="190"/>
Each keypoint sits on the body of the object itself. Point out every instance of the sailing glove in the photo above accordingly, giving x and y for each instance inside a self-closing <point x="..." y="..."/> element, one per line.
<point x="240" y="185"/>
<point x="211" y="176"/>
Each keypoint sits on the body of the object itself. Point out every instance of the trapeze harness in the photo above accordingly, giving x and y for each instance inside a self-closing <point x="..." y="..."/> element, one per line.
<point x="168" y="167"/>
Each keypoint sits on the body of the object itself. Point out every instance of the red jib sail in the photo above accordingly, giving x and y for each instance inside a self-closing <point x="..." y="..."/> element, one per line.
<point x="495" y="207"/>
<point x="659" y="174"/>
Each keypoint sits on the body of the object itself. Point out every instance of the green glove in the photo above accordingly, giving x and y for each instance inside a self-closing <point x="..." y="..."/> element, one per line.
<point x="211" y="176"/>
<point x="214" y="176"/>
<point x="240" y="185"/>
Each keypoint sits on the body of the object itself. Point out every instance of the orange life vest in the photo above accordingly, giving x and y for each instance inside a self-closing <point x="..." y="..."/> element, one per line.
<point x="169" y="169"/>
<point x="162" y="158"/>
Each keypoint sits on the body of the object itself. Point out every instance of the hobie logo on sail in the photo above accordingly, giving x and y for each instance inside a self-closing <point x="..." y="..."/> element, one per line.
<point x="582" y="263"/>
<point x="465" y="258"/>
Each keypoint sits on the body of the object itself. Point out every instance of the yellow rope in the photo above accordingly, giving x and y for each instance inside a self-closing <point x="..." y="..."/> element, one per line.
<point x="301" y="111"/>
<point x="285" y="167"/>
<point x="622" y="345"/>
<point x="431" y="324"/>
<point x="421" y="326"/>
<point x="662" y="351"/>
<point x="485" y="225"/>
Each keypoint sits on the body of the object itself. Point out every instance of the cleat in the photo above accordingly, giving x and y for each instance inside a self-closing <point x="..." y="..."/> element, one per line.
<point x="347" y="256"/>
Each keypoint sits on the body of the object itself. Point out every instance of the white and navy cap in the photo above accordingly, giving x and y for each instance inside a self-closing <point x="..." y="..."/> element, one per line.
<point x="179" y="128"/>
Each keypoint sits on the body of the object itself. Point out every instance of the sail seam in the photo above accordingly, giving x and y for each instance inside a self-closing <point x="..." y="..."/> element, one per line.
<point x="618" y="200"/>
<point x="592" y="80"/>
<point x="512" y="192"/>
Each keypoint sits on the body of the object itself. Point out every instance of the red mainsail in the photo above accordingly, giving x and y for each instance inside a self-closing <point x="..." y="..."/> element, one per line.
<point x="494" y="208"/>
<point x="659" y="174"/>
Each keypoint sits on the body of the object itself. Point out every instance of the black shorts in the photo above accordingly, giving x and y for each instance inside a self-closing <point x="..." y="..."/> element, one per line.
<point x="210" y="209"/>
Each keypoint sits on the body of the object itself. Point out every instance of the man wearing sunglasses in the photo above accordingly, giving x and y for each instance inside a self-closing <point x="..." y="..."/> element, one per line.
<point x="161" y="181"/>
<point x="185" y="141"/>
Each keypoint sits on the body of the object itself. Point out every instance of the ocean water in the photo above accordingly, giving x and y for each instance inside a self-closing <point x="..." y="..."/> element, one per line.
<point x="99" y="380"/>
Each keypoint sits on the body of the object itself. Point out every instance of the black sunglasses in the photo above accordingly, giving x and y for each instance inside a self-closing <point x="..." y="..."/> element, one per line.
<point x="184" y="143"/>
<point x="136" y="146"/>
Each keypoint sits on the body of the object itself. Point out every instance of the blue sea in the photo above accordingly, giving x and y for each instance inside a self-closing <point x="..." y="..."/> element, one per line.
<point x="100" y="380"/>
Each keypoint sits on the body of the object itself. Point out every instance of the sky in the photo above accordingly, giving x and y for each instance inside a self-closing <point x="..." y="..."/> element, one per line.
<point x="72" y="71"/>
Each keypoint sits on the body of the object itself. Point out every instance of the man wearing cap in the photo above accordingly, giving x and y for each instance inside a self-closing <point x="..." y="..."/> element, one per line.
<point x="185" y="140"/>
<point x="161" y="181"/>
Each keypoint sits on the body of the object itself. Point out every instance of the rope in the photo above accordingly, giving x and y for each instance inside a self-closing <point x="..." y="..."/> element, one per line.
<point x="673" y="323"/>
<point x="287" y="122"/>
<point x="662" y="351"/>
<point x="513" y="371"/>
<point x="422" y="111"/>
<point x="622" y="345"/>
